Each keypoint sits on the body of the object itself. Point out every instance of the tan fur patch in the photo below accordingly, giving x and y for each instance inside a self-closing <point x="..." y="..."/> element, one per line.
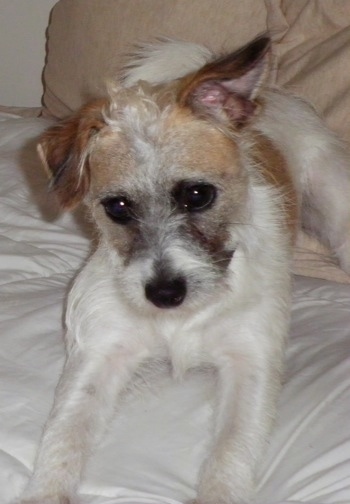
<point x="203" y="146"/>
<point x="273" y="167"/>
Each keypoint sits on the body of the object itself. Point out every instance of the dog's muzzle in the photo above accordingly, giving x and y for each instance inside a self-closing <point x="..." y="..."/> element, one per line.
<point x="166" y="293"/>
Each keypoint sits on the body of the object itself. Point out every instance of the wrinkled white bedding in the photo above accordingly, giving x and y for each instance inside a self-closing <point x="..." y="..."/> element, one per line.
<point x="152" y="452"/>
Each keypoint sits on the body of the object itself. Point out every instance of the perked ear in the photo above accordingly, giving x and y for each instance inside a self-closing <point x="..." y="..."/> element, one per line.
<point x="227" y="88"/>
<point x="63" y="150"/>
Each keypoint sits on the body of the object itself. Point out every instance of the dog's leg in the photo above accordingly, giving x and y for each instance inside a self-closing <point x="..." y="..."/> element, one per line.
<point x="84" y="402"/>
<point x="246" y="395"/>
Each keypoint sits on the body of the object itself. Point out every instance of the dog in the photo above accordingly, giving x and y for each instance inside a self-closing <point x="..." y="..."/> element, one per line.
<point x="197" y="176"/>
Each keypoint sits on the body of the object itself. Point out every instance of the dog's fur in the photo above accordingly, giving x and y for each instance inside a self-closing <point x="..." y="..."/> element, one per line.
<point x="197" y="177"/>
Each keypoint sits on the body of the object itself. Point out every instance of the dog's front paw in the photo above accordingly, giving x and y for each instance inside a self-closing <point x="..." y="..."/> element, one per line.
<point x="228" y="483"/>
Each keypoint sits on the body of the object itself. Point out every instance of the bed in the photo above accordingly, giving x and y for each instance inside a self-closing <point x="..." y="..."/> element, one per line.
<point x="152" y="451"/>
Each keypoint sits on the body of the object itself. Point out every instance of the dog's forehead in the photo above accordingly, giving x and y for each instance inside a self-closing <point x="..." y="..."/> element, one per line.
<point x="196" y="144"/>
<point x="179" y="146"/>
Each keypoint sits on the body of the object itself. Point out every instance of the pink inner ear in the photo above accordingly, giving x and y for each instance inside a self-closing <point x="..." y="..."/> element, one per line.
<point x="211" y="94"/>
<point x="215" y="92"/>
<point x="217" y="98"/>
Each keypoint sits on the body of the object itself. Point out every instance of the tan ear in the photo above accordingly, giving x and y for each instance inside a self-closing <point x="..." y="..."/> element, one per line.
<point x="227" y="88"/>
<point x="63" y="150"/>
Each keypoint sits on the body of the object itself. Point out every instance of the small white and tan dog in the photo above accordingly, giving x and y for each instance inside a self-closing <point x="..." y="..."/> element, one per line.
<point x="197" y="177"/>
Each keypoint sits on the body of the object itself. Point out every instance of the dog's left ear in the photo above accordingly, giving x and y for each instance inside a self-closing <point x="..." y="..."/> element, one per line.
<point x="227" y="88"/>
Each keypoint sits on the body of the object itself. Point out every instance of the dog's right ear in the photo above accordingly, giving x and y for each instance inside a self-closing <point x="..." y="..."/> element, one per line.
<point x="228" y="88"/>
<point x="64" y="152"/>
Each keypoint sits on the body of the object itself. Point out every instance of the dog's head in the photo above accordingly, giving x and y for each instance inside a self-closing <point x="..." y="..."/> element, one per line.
<point x="163" y="171"/>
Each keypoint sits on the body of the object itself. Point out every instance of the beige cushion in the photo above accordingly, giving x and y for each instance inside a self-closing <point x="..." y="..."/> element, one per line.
<point x="313" y="259"/>
<point x="88" y="38"/>
<point x="22" y="111"/>
<point x="312" y="45"/>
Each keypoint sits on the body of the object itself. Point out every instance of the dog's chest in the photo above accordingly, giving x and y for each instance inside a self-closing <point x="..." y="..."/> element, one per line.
<point x="190" y="343"/>
<point x="182" y="344"/>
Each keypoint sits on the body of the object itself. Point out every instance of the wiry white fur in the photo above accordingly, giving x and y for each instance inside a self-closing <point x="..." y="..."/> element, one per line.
<point x="165" y="61"/>
<point x="240" y="331"/>
<point x="105" y="333"/>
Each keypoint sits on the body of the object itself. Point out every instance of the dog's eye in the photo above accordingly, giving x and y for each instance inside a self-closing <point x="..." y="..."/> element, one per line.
<point x="119" y="209"/>
<point x="194" y="197"/>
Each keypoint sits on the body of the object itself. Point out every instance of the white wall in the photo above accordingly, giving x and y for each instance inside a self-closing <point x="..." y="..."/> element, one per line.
<point x="22" y="50"/>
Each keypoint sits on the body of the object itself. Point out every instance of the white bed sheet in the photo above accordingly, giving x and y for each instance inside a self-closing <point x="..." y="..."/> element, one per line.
<point x="152" y="452"/>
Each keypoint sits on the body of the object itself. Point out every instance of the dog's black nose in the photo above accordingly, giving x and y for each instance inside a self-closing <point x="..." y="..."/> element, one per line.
<point x="166" y="293"/>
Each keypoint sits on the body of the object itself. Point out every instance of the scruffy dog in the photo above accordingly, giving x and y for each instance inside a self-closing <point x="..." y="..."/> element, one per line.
<point x="197" y="177"/>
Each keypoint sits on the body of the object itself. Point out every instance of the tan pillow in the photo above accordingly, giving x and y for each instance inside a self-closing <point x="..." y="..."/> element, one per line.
<point x="313" y="259"/>
<point x="312" y="45"/>
<point x="88" y="38"/>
